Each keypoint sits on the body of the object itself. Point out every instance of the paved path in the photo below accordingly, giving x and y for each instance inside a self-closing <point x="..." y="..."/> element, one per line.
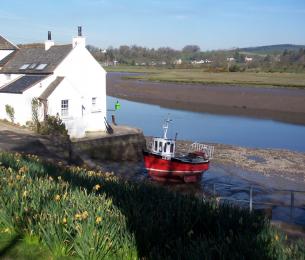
<point x="17" y="139"/>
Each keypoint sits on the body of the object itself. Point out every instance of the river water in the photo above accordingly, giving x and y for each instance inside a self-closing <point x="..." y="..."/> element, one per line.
<point x="228" y="182"/>
<point x="204" y="127"/>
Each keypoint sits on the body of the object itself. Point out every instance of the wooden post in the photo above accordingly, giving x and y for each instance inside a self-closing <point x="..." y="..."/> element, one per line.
<point x="250" y="200"/>
<point x="113" y="119"/>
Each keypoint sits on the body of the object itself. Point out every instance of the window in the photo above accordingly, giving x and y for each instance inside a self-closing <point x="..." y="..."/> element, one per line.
<point x="32" y="66"/>
<point x="156" y="146"/>
<point x="160" y="147"/>
<point x="65" y="107"/>
<point x="94" y="102"/>
<point x="172" y="148"/>
<point x="41" y="66"/>
<point x="24" y="66"/>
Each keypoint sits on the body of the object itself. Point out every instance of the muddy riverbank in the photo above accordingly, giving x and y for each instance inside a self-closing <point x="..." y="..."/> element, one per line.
<point x="278" y="103"/>
<point x="268" y="162"/>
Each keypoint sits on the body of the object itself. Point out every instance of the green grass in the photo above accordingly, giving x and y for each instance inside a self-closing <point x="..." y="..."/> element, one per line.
<point x="84" y="214"/>
<point x="201" y="76"/>
<point x="16" y="246"/>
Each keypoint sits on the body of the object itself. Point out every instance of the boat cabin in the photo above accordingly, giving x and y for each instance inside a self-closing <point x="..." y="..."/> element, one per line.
<point x="164" y="147"/>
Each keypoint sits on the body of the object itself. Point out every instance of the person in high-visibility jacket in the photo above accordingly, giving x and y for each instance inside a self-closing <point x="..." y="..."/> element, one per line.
<point x="117" y="105"/>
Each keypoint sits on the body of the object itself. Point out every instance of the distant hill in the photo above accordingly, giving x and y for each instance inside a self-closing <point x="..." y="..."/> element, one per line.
<point x="272" y="49"/>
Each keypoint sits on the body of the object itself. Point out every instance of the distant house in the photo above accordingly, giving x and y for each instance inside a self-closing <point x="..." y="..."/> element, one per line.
<point x="67" y="80"/>
<point x="201" y="61"/>
<point x="230" y="59"/>
<point x="248" y="59"/>
<point x="178" y="62"/>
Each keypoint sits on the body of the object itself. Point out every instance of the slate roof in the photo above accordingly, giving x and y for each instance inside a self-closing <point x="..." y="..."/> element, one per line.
<point x="49" y="90"/>
<point x="19" y="85"/>
<point x="36" y="55"/>
<point x="6" y="45"/>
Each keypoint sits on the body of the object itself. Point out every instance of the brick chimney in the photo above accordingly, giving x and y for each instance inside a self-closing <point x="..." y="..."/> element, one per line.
<point x="49" y="43"/>
<point x="79" y="40"/>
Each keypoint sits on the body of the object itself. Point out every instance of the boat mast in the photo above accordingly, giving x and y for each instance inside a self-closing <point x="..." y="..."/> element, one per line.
<point x="165" y="127"/>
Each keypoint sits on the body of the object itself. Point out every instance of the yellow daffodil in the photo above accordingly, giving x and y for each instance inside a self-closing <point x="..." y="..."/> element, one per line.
<point x="97" y="187"/>
<point x="98" y="220"/>
<point x="78" y="216"/>
<point x="25" y="193"/>
<point x="64" y="220"/>
<point x="85" y="215"/>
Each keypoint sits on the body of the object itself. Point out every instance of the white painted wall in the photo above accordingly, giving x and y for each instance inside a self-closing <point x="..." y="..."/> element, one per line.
<point x="74" y="121"/>
<point x="88" y="80"/>
<point x="22" y="102"/>
<point x="7" y="78"/>
<point x="4" y="53"/>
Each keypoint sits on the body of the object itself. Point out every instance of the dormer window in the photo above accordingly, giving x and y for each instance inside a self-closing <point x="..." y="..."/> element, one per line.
<point x="24" y="66"/>
<point x="32" y="66"/>
<point x="41" y="66"/>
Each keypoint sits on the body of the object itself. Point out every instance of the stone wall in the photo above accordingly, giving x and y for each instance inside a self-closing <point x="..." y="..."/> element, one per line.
<point x="126" y="147"/>
<point x="58" y="145"/>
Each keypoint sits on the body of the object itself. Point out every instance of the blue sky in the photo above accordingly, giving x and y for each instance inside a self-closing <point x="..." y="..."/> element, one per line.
<point x="211" y="24"/>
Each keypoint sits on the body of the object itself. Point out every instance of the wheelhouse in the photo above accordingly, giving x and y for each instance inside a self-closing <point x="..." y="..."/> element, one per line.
<point x="164" y="147"/>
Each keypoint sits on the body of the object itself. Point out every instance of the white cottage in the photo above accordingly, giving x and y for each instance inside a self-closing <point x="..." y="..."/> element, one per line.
<point x="66" y="78"/>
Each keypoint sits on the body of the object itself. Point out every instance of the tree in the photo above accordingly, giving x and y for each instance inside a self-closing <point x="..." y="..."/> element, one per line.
<point x="191" y="49"/>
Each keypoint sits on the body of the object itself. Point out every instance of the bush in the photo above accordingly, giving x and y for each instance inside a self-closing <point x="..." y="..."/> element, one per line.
<point x="10" y="111"/>
<point x="53" y="125"/>
<point x="234" y="68"/>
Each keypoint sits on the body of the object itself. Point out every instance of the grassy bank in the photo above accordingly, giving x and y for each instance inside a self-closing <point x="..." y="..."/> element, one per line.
<point x="202" y="77"/>
<point x="92" y="215"/>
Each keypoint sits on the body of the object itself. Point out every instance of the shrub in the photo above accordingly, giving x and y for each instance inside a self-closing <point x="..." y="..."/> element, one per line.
<point x="234" y="68"/>
<point x="10" y="111"/>
<point x="53" y="125"/>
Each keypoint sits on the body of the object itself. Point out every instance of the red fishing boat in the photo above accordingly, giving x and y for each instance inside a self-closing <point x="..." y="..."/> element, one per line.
<point x="163" y="164"/>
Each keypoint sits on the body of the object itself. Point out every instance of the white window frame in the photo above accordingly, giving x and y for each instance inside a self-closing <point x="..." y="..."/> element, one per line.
<point x="93" y="102"/>
<point x="32" y="66"/>
<point x="95" y="105"/>
<point x="24" y="66"/>
<point x="41" y="66"/>
<point x="64" y="107"/>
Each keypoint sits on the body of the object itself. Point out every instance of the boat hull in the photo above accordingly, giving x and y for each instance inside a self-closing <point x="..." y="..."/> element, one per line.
<point x="174" y="169"/>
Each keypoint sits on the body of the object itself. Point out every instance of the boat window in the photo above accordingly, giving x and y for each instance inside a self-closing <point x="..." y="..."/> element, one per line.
<point x="156" y="146"/>
<point x="172" y="148"/>
<point x="160" y="146"/>
<point x="165" y="147"/>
